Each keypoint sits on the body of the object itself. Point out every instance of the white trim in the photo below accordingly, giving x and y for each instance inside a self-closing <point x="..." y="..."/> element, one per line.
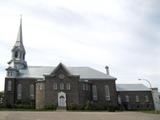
<point x="94" y="93"/>
<point x="107" y="93"/>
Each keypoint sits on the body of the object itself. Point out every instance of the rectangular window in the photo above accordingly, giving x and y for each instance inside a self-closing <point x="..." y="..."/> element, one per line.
<point x="119" y="99"/>
<point x="9" y="86"/>
<point x="137" y="98"/>
<point x="31" y="92"/>
<point x="127" y="98"/>
<point x="83" y="87"/>
<point x="94" y="92"/>
<point x="147" y="99"/>
<point x="61" y="86"/>
<point x="55" y="86"/>
<point x="68" y="86"/>
<point x="107" y="93"/>
<point x="19" y="92"/>
<point x="86" y="87"/>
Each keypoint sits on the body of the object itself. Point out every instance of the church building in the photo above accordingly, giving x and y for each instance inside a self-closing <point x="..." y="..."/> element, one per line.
<point x="63" y="86"/>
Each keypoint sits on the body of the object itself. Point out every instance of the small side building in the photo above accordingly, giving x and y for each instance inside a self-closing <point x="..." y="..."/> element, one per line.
<point x="134" y="97"/>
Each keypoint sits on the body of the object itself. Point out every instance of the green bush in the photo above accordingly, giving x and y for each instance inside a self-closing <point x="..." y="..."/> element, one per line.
<point x="112" y="108"/>
<point x="24" y="106"/>
<point x="89" y="106"/>
<point x="72" y="107"/>
<point x="50" y="107"/>
<point x="2" y="106"/>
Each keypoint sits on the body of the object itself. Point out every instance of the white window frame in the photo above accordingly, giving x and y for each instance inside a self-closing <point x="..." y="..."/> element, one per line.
<point x="68" y="86"/>
<point x="83" y="86"/>
<point x="31" y="90"/>
<point x="107" y="93"/>
<point x="146" y="98"/>
<point x="119" y="99"/>
<point x="94" y="93"/>
<point x="55" y="86"/>
<point x="137" y="98"/>
<point x="9" y="85"/>
<point x="87" y="87"/>
<point x="19" y="91"/>
<point x="61" y="86"/>
<point x="127" y="98"/>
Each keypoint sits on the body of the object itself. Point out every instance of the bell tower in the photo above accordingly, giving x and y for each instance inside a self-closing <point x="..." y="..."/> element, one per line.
<point x="17" y="61"/>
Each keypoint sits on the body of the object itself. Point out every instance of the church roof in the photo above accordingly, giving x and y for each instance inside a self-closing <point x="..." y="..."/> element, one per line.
<point x="19" y="41"/>
<point x="83" y="72"/>
<point x="131" y="87"/>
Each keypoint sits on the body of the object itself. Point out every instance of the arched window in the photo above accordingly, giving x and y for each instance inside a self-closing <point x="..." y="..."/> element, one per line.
<point x="19" y="92"/>
<point x="68" y="86"/>
<point x="23" y="56"/>
<point x="87" y="87"/>
<point x="83" y="87"/>
<point x="107" y="92"/>
<point x="61" y="86"/>
<point x="31" y="89"/>
<point x="94" y="92"/>
<point x="9" y="87"/>
<point x="127" y="98"/>
<point x="119" y="99"/>
<point x="137" y="98"/>
<point x="146" y="98"/>
<point x="55" y="86"/>
<point x="16" y="54"/>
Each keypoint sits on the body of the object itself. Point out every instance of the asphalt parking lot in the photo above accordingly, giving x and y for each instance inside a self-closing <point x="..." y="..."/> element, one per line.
<point x="25" y="115"/>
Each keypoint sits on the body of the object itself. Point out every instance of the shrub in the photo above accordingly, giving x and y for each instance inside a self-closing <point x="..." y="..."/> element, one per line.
<point x="50" y="107"/>
<point x="72" y="107"/>
<point x="24" y="106"/>
<point x="88" y="106"/>
<point x="92" y="107"/>
<point x="112" y="108"/>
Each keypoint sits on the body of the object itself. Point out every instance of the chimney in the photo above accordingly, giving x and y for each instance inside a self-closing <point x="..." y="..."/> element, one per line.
<point x="107" y="70"/>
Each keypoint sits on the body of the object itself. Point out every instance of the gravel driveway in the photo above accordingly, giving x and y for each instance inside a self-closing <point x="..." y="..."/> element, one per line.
<point x="25" y="115"/>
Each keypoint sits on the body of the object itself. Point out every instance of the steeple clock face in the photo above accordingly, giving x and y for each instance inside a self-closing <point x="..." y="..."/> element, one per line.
<point x="61" y="76"/>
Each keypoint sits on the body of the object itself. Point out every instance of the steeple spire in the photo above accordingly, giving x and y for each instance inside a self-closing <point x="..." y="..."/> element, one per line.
<point x="18" y="51"/>
<point x="19" y="37"/>
<point x="19" y="41"/>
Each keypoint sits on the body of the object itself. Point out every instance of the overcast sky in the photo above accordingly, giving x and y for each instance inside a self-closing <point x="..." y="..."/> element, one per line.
<point x="123" y="34"/>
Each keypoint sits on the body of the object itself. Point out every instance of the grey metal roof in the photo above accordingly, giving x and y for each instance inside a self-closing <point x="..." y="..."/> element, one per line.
<point x="19" y="41"/>
<point x="83" y="72"/>
<point x="131" y="87"/>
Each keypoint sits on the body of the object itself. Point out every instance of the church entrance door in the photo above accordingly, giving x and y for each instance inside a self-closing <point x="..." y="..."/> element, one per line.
<point x="62" y="99"/>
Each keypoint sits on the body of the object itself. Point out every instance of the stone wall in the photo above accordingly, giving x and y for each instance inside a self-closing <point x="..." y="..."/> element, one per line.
<point x="101" y="92"/>
<point x="40" y="95"/>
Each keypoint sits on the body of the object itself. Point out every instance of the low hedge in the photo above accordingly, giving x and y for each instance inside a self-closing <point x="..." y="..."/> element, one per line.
<point x="92" y="107"/>
<point x="50" y="107"/>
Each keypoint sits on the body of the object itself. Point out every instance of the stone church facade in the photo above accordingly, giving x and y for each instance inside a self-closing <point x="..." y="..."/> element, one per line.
<point x="63" y="86"/>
